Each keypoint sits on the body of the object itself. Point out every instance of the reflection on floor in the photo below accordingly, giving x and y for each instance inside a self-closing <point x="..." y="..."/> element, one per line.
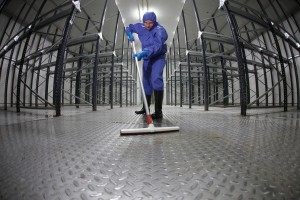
<point x="216" y="155"/>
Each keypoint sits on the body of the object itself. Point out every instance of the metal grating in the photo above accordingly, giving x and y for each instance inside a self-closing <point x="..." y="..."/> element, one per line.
<point x="216" y="155"/>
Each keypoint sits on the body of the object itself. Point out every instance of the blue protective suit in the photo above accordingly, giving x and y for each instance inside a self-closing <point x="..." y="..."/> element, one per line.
<point x="153" y="41"/>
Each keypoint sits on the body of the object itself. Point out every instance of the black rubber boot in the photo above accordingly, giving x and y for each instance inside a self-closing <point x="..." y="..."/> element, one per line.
<point x="143" y="111"/>
<point x="159" y="96"/>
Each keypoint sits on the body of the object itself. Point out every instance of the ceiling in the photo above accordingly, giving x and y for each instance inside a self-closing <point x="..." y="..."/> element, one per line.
<point x="169" y="14"/>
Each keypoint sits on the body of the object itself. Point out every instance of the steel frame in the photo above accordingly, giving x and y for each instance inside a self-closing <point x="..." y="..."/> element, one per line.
<point x="104" y="86"/>
<point x="271" y="62"/>
<point x="200" y="71"/>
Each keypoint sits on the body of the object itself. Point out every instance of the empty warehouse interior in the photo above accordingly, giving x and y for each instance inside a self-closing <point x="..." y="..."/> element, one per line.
<point x="69" y="84"/>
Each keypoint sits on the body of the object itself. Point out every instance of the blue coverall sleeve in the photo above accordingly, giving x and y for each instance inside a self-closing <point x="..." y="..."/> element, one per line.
<point x="159" y="46"/>
<point x="131" y="28"/>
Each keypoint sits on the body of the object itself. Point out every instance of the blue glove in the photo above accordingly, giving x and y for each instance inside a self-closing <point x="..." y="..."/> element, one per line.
<point x="141" y="55"/>
<point x="130" y="36"/>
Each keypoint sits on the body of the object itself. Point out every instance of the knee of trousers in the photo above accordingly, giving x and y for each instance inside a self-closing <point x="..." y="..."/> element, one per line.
<point x="148" y="89"/>
<point x="158" y="84"/>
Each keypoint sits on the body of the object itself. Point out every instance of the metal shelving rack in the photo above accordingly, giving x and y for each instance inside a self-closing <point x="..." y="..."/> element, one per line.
<point x="52" y="55"/>
<point x="247" y="62"/>
<point x="48" y="67"/>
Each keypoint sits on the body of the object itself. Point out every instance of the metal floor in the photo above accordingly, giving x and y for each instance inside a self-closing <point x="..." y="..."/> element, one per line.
<point x="216" y="155"/>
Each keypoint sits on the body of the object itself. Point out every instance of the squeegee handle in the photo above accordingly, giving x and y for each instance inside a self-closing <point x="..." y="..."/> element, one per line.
<point x="148" y="116"/>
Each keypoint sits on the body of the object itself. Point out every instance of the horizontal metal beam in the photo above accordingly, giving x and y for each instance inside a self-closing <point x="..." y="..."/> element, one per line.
<point x="75" y="59"/>
<point x="225" y="39"/>
<point x="211" y="65"/>
<point x="201" y="72"/>
<point x="83" y="39"/>
<point x="72" y="42"/>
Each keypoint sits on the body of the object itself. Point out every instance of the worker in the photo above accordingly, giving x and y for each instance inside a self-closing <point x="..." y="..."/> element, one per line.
<point x="153" y="37"/>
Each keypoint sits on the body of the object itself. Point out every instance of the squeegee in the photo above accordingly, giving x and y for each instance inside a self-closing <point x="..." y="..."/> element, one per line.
<point x="151" y="128"/>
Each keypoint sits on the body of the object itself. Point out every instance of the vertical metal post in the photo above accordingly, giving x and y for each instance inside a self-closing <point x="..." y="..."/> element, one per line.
<point x="237" y="46"/>
<point x="95" y="68"/>
<point x="24" y="53"/>
<point x="63" y="77"/>
<point x="265" y="75"/>
<point x="7" y="78"/>
<point x="25" y="82"/>
<point x="38" y="45"/>
<point x="291" y="73"/>
<point x="273" y="93"/>
<point x="111" y="88"/>
<point x="133" y="77"/>
<point x="256" y="84"/>
<point x="199" y="88"/>
<point x="171" y="90"/>
<point x="205" y="67"/>
<point x="292" y="54"/>
<point x="71" y="84"/>
<point x="189" y="79"/>
<point x="180" y="71"/>
<point x="265" y="79"/>
<point x="127" y="64"/>
<point x="88" y="92"/>
<point x="13" y="77"/>
<point x="278" y="78"/>
<point x="205" y="75"/>
<point x="180" y="84"/>
<point x="232" y="86"/>
<point x="37" y="80"/>
<point x="188" y="57"/>
<point x="175" y="69"/>
<point x="255" y="67"/>
<point x="48" y="72"/>
<point x="246" y="73"/>
<point x="174" y="55"/>
<point x="224" y="75"/>
<point x="95" y="74"/>
<point x="121" y="74"/>
<point x="224" y="78"/>
<point x="297" y="78"/>
<point x="167" y="78"/>
<point x="31" y="85"/>
<point x="79" y="65"/>
<point x="58" y="73"/>
<point x="198" y="77"/>
<point x="285" y="49"/>
<point x="280" y="59"/>
<point x="104" y="78"/>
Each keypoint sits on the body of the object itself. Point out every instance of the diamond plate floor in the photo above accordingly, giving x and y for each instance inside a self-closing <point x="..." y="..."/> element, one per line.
<point x="216" y="155"/>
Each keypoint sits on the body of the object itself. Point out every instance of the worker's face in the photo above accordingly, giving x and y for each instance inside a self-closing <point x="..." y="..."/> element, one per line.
<point x="148" y="24"/>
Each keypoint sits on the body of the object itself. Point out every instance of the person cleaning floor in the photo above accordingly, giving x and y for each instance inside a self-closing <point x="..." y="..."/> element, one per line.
<point x="153" y="37"/>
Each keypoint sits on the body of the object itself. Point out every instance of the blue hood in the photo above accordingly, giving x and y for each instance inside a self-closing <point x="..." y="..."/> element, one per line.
<point x="149" y="16"/>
